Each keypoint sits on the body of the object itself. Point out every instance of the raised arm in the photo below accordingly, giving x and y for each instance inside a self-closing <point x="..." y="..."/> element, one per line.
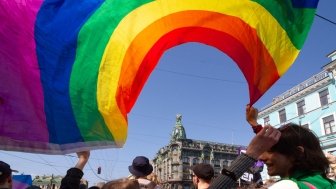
<point x="263" y="141"/>
<point x="83" y="158"/>
<point x="251" y="115"/>
<point x="251" y="118"/>
<point x="75" y="174"/>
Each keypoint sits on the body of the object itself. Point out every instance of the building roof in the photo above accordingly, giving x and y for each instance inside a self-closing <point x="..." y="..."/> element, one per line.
<point x="178" y="131"/>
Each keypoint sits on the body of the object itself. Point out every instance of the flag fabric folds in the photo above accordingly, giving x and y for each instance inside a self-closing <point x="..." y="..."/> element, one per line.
<point x="72" y="70"/>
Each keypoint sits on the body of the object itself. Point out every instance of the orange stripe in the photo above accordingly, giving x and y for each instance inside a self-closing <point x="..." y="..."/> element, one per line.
<point x="262" y="63"/>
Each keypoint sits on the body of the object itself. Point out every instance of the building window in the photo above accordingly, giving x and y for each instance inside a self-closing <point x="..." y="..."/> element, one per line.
<point x="329" y="124"/>
<point x="185" y="160"/>
<point x="216" y="163"/>
<point x="282" y="116"/>
<point x="324" y="95"/>
<point x="195" y="161"/>
<point x="301" y="107"/>
<point x="266" y="120"/>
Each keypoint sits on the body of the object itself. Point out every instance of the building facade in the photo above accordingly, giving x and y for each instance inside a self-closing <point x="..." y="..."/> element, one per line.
<point x="172" y="163"/>
<point x="47" y="182"/>
<point x="310" y="104"/>
<point x="51" y="181"/>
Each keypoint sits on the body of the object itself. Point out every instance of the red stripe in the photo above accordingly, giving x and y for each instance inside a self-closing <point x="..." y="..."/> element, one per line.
<point x="226" y="43"/>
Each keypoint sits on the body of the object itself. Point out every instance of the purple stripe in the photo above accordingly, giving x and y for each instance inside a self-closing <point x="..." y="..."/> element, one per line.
<point x="21" y="99"/>
<point x="19" y="185"/>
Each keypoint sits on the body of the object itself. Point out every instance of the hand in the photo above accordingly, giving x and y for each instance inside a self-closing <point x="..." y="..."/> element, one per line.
<point x="263" y="141"/>
<point x="251" y="115"/>
<point x="83" y="158"/>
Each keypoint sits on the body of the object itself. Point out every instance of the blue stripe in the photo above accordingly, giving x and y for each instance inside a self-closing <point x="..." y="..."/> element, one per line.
<point x="26" y="179"/>
<point x="56" y="31"/>
<point x="305" y="3"/>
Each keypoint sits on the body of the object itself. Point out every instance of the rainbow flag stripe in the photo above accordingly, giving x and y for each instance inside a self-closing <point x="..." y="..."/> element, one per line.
<point x="21" y="181"/>
<point x="72" y="70"/>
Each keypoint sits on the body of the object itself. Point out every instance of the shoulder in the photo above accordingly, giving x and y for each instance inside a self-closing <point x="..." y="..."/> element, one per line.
<point x="146" y="182"/>
<point x="288" y="184"/>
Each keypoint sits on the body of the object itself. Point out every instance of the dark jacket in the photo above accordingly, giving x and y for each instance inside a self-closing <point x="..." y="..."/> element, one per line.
<point x="72" y="179"/>
<point x="238" y="167"/>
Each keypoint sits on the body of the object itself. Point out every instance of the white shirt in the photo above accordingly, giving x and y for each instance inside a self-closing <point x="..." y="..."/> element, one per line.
<point x="284" y="184"/>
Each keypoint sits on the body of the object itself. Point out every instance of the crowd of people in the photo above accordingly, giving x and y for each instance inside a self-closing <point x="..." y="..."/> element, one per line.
<point x="291" y="152"/>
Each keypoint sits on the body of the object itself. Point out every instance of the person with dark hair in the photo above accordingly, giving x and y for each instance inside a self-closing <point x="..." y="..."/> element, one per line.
<point x="202" y="175"/>
<point x="82" y="186"/>
<point x="94" y="187"/>
<point x="266" y="137"/>
<point x="6" y="181"/>
<point x="74" y="174"/>
<point x="298" y="159"/>
<point x="140" y="169"/>
<point x="263" y="141"/>
<point x="122" y="184"/>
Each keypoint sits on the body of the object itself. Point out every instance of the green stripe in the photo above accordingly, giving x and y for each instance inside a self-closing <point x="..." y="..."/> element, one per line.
<point x="296" y="21"/>
<point x="92" y="41"/>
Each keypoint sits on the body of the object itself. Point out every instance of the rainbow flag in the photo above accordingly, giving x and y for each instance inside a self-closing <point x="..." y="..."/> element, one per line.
<point x="21" y="181"/>
<point x="72" y="70"/>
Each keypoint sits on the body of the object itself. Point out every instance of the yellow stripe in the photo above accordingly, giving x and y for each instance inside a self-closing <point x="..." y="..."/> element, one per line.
<point x="252" y="13"/>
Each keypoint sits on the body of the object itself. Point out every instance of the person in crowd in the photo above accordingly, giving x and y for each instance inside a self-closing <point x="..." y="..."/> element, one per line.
<point x="82" y="186"/>
<point x="298" y="159"/>
<point x="6" y="181"/>
<point x="94" y="187"/>
<point x="140" y="169"/>
<point x="154" y="178"/>
<point x="122" y="184"/>
<point x="100" y="184"/>
<point x="202" y="175"/>
<point x="74" y="174"/>
<point x="269" y="182"/>
<point x="266" y="137"/>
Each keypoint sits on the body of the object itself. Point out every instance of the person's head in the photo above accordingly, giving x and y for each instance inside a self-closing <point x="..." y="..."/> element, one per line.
<point x="100" y="184"/>
<point x="202" y="173"/>
<point x="298" y="149"/>
<point x="122" y="184"/>
<point x="94" y="187"/>
<point x="140" y="167"/>
<point x="5" y="175"/>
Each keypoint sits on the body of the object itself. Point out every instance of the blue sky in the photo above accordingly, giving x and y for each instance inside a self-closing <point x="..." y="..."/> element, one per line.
<point x="203" y="85"/>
